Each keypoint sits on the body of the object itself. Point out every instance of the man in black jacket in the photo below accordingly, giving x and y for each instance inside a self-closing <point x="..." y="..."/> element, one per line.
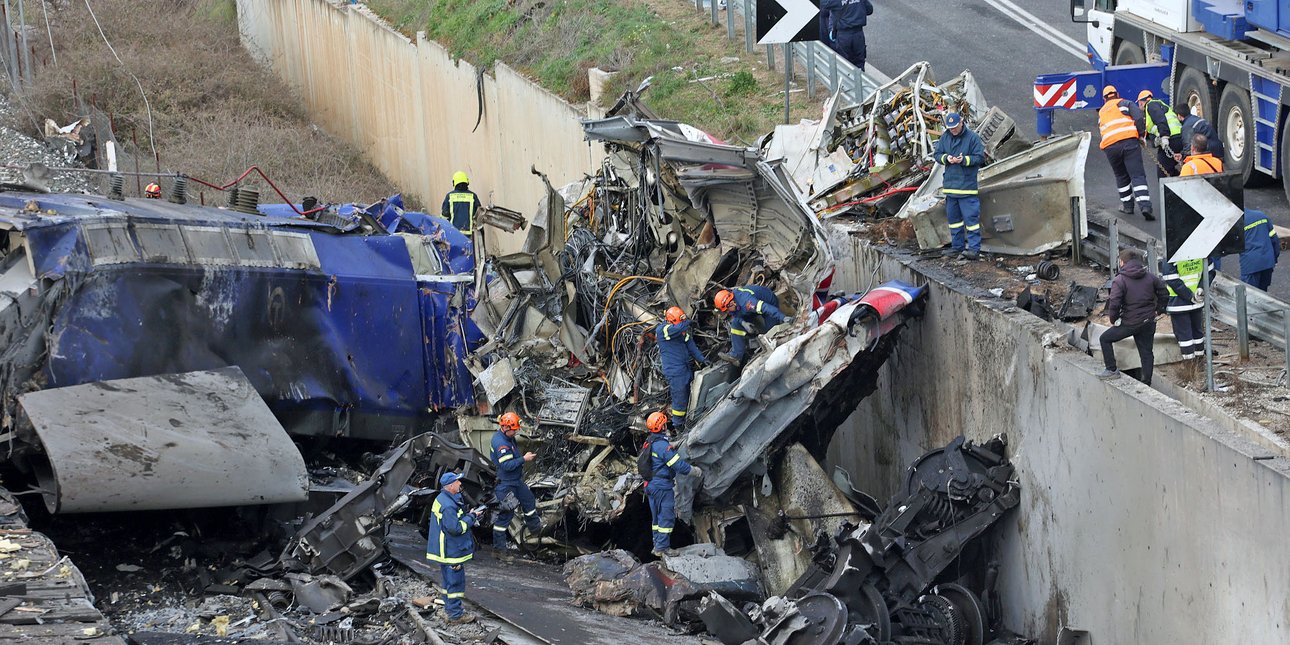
<point x="1137" y="297"/>
<point x="849" y="18"/>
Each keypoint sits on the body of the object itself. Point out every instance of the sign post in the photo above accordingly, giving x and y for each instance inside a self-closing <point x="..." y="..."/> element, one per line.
<point x="786" y="22"/>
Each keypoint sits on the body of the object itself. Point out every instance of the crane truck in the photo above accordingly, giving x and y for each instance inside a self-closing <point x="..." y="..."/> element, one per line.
<point x="1225" y="60"/>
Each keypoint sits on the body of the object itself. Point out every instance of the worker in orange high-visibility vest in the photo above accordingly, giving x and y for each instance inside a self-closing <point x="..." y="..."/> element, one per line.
<point x="1121" y="125"/>
<point x="1200" y="161"/>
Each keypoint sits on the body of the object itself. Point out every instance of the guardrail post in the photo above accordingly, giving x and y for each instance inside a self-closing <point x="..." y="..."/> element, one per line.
<point x="750" y="25"/>
<point x="810" y="69"/>
<point x="833" y="71"/>
<point x="1152" y="256"/>
<point x="714" y="12"/>
<point x="857" y="85"/>
<point x="1209" y="334"/>
<point x="770" y="57"/>
<point x="1113" y="245"/>
<point x="730" y="20"/>
<point x="1242" y="323"/>
<point x="1077" y="253"/>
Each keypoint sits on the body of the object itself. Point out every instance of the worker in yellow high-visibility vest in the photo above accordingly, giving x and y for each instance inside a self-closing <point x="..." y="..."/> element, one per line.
<point x="461" y="205"/>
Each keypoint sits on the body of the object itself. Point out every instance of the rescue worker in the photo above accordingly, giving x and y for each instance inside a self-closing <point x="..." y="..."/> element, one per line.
<point x="746" y="305"/>
<point x="962" y="153"/>
<point x="1157" y="113"/>
<point x="665" y="463"/>
<point x="1185" y="306"/>
<point x="676" y="347"/>
<point x="451" y="545"/>
<point x="1195" y="124"/>
<point x="1137" y="296"/>
<point x="460" y="204"/>
<point x="510" y="480"/>
<point x="1200" y="161"/>
<point x="849" y="18"/>
<point x="1120" y="125"/>
<point x="153" y="191"/>
<point x="1262" y="250"/>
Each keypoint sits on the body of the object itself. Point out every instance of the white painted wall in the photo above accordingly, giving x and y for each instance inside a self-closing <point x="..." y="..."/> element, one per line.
<point x="411" y="109"/>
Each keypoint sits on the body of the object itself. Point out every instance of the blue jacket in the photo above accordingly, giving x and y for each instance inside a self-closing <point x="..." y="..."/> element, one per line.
<point x="960" y="178"/>
<point x="848" y="14"/>
<point x="507" y="457"/>
<point x="450" y="540"/>
<point x="750" y="301"/>
<point x="1196" y="125"/>
<point x="676" y="347"/>
<point x="666" y="463"/>
<point x="460" y="207"/>
<point x="1262" y="246"/>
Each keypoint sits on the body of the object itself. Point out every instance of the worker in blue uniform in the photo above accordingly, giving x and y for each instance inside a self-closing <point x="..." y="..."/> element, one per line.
<point x="451" y="545"/>
<point x="1185" y="307"/>
<point x="461" y="205"/>
<point x="747" y="306"/>
<point x="1262" y="250"/>
<point x="962" y="153"/>
<point x="676" y="347"/>
<point x="510" y="481"/>
<point x="849" y="19"/>
<point x="665" y="465"/>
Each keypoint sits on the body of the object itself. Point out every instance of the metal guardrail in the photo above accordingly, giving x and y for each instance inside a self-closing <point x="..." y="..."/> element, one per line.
<point x="821" y="65"/>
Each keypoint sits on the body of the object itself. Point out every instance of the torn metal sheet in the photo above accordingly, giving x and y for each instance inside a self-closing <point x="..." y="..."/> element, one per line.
<point x="1030" y="201"/>
<point x="191" y="440"/>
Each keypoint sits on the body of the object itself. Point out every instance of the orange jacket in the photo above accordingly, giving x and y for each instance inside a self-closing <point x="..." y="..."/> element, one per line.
<point x="1201" y="165"/>
<point x="1115" y="124"/>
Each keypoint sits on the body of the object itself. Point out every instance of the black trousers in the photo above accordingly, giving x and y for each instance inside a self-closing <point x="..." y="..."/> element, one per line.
<point x="1130" y="178"/>
<point x="850" y="43"/>
<point x="1144" y="336"/>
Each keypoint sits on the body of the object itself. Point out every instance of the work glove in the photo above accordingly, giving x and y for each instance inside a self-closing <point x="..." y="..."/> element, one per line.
<point x="729" y="359"/>
<point x="696" y="472"/>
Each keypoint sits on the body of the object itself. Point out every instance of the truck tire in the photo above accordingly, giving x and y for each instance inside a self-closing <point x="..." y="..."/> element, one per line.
<point x="1127" y="53"/>
<point x="1285" y="160"/>
<point x="1234" y="123"/>
<point x="1194" y="91"/>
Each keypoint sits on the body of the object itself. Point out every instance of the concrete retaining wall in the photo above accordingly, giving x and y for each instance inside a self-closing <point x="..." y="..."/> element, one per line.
<point x="411" y="109"/>
<point x="1140" y="521"/>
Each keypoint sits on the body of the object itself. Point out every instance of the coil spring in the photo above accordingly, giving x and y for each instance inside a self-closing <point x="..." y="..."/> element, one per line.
<point x="116" y="187"/>
<point x="179" y="190"/>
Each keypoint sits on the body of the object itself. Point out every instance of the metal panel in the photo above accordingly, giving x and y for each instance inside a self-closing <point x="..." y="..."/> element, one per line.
<point x="191" y="440"/>
<point x="295" y="250"/>
<point x="253" y="248"/>
<point x="110" y="243"/>
<point x="162" y="243"/>
<point x="209" y="245"/>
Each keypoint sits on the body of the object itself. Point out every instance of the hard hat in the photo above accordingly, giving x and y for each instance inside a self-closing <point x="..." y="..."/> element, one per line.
<point x="509" y="421"/>
<point x="1109" y="90"/>
<point x="953" y="120"/>
<point x="1145" y="94"/>
<point x="153" y="191"/>
<point x="460" y="177"/>
<point x="674" y="315"/>
<point x="657" y="422"/>
<point x="724" y="300"/>
<point x="448" y="478"/>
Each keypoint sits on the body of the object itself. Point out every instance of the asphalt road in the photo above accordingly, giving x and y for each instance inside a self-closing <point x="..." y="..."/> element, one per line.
<point x="995" y="40"/>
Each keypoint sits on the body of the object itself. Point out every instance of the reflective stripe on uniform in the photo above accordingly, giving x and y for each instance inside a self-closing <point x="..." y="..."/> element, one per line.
<point x="673" y="460"/>
<point x="1114" y="125"/>
<point x="678" y="413"/>
<point x="1250" y="226"/>
<point x="959" y="191"/>
<point x="500" y="529"/>
<point x="661" y="529"/>
<point x="443" y="560"/>
<point x="760" y="304"/>
<point x="505" y="459"/>
<point x="967" y="160"/>
<point x="667" y="332"/>
<point x="956" y="224"/>
<point x="974" y="227"/>
<point x="738" y="332"/>
<point x="457" y="594"/>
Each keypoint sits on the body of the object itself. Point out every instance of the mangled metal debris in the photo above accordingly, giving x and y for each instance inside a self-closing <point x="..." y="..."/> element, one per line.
<point x="874" y="160"/>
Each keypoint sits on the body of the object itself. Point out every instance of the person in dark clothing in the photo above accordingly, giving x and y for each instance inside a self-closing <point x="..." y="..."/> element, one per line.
<point x="849" y="18"/>
<point x="1137" y="297"/>
<point x="1193" y="125"/>
<point x="826" y="29"/>
<point x="1164" y="132"/>
<point x="461" y="204"/>
<point x="1121" y="124"/>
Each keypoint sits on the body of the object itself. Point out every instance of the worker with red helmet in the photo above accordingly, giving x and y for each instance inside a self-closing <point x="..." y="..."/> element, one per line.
<point x="153" y="191"/>
<point x="753" y="309"/>
<point x="676" y="347"/>
<point x="510" y="481"/>
<point x="665" y="464"/>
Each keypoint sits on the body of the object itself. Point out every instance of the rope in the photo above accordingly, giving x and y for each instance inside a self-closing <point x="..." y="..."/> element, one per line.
<point x="152" y="143"/>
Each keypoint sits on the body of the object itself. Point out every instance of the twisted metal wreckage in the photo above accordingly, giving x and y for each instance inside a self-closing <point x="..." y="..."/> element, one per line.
<point x="357" y="322"/>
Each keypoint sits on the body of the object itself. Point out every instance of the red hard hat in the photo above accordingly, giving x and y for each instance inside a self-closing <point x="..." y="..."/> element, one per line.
<point x="657" y="422"/>
<point x="724" y="300"/>
<point x="674" y="315"/>
<point x="509" y="421"/>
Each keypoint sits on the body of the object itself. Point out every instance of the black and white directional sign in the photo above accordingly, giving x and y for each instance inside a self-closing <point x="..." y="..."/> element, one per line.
<point x="787" y="21"/>
<point x="1203" y="216"/>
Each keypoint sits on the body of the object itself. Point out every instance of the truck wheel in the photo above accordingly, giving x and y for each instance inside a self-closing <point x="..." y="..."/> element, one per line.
<point x="1285" y="160"/>
<point x="1235" y="127"/>
<point x="1127" y="53"/>
<point x="1193" y="91"/>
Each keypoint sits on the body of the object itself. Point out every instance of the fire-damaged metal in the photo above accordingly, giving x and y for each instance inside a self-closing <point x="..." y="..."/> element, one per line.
<point x="895" y="581"/>
<point x="171" y="441"/>
<point x="350" y="535"/>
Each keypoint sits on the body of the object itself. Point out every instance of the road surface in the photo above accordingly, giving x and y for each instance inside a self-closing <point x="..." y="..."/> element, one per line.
<point x="1006" y="44"/>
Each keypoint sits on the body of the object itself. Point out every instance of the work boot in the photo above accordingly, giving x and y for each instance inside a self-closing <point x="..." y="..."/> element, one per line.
<point x="950" y="252"/>
<point x="1127" y="210"/>
<point x="505" y="546"/>
<point x="659" y="553"/>
<point x="463" y="619"/>
<point x="1109" y="375"/>
<point x="1148" y="216"/>
<point x="971" y="254"/>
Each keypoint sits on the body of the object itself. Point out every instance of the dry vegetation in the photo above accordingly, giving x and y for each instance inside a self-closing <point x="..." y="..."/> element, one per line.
<point x="215" y="112"/>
